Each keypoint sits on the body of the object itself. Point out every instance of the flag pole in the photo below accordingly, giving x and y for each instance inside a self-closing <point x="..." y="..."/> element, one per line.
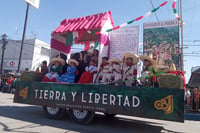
<point x="182" y="55"/>
<point x="23" y="37"/>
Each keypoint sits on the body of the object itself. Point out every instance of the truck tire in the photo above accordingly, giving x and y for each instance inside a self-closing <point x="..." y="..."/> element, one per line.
<point x="82" y="117"/>
<point x="54" y="112"/>
<point x="109" y="115"/>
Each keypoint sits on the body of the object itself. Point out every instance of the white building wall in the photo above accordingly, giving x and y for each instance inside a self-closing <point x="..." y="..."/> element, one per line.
<point x="29" y="57"/>
<point x="11" y="55"/>
<point x="41" y="53"/>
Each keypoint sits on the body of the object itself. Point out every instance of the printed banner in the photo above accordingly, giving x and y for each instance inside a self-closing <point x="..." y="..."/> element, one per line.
<point x="156" y="103"/>
<point x="124" y="40"/>
<point x="161" y="39"/>
<point x="34" y="3"/>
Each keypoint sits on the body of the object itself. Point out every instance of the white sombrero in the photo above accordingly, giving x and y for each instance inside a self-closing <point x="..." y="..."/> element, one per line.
<point x="131" y="55"/>
<point x="11" y="73"/>
<point x="73" y="61"/>
<point x="18" y="74"/>
<point x="149" y="58"/>
<point x="113" y="60"/>
<point x="58" y="59"/>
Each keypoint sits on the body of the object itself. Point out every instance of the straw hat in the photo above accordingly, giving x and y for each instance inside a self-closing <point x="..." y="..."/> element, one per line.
<point x="73" y="61"/>
<point x="131" y="55"/>
<point x="172" y="67"/>
<point x="18" y="74"/>
<point x="149" y="58"/>
<point x="58" y="59"/>
<point x="11" y="73"/>
<point x="114" y="60"/>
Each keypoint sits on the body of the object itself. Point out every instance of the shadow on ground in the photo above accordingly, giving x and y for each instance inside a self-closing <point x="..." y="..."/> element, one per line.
<point x="34" y="114"/>
<point x="192" y="116"/>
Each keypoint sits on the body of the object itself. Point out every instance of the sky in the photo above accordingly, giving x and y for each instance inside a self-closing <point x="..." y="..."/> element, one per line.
<point x="43" y="21"/>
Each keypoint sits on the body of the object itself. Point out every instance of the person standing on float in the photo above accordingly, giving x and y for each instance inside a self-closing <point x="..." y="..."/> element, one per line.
<point x="149" y="68"/>
<point x="115" y="69"/>
<point x="104" y="72"/>
<point x="130" y="68"/>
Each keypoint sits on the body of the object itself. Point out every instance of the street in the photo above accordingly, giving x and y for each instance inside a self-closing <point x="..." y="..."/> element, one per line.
<point x="31" y="119"/>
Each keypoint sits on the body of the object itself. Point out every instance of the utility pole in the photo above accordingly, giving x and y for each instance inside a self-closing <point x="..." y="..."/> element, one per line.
<point x="4" y="42"/>
<point x="23" y="37"/>
<point x="153" y="8"/>
<point x="182" y="55"/>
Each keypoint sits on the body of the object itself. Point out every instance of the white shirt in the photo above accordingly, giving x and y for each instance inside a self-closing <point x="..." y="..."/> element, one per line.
<point x="91" y="69"/>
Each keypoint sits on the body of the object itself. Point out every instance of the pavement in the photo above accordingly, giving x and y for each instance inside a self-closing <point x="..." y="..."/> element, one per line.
<point x="21" y="118"/>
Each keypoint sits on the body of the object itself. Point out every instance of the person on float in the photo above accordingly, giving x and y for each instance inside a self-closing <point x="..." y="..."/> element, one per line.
<point x="115" y="69"/>
<point x="87" y="76"/>
<point x="81" y="58"/>
<point x="149" y="68"/>
<point x="64" y="57"/>
<point x="69" y="75"/>
<point x="44" y="68"/>
<point x="130" y="68"/>
<point x="95" y="56"/>
<point x="103" y="75"/>
<point x="55" y="70"/>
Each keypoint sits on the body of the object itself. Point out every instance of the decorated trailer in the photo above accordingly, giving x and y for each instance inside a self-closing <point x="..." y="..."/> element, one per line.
<point x="83" y="100"/>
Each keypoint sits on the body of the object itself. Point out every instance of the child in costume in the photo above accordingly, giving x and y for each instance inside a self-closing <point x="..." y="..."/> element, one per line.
<point x="55" y="70"/>
<point x="115" y="69"/>
<point x="69" y="76"/>
<point x="103" y="70"/>
<point x="95" y="56"/>
<point x="87" y="76"/>
<point x="44" y="68"/>
<point x="149" y="68"/>
<point x="130" y="68"/>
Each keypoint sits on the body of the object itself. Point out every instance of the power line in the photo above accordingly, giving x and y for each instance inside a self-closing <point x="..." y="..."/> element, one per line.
<point x="154" y="12"/>
<point x="191" y="45"/>
<point x="193" y="55"/>
<point x="194" y="41"/>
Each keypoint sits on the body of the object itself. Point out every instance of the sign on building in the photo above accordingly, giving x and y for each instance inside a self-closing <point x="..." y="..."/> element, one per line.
<point x="34" y="3"/>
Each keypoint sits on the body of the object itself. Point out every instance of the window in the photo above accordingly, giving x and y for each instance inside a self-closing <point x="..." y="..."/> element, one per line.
<point x="45" y="51"/>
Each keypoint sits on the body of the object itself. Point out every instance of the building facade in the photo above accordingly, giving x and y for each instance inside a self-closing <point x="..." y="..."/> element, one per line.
<point x="34" y="52"/>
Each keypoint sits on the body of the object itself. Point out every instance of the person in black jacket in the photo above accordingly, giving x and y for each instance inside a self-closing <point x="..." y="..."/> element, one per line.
<point x="64" y="57"/>
<point x="83" y="62"/>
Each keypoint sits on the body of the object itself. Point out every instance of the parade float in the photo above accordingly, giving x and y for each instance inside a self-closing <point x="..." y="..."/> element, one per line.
<point x="83" y="100"/>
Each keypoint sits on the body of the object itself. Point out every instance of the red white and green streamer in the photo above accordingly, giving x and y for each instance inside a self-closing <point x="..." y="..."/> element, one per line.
<point x="176" y="14"/>
<point x="145" y="15"/>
